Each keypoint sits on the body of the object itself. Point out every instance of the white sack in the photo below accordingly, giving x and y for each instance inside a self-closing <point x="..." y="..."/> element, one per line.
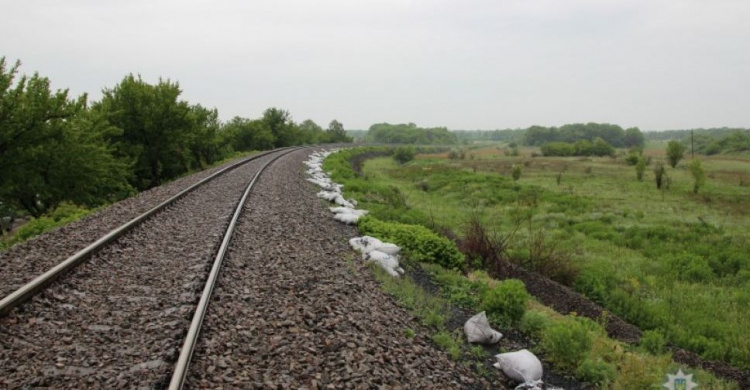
<point x="391" y="249"/>
<point x="329" y="196"/>
<point x="478" y="330"/>
<point x="521" y="366"/>
<point x="346" y="210"/>
<point x="347" y="218"/>
<point x="365" y="244"/>
<point x="385" y="261"/>
<point x="339" y="200"/>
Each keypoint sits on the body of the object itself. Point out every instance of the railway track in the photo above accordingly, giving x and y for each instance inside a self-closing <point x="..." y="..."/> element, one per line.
<point x="117" y="319"/>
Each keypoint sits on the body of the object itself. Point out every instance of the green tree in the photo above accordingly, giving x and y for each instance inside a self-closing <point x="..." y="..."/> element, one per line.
<point x="336" y="132"/>
<point x="699" y="175"/>
<point x="633" y="138"/>
<point x="52" y="149"/>
<point x="313" y="133"/>
<point x="403" y="154"/>
<point x="675" y="152"/>
<point x="156" y="128"/>
<point x="203" y="137"/>
<point x="244" y="135"/>
<point x="279" y="123"/>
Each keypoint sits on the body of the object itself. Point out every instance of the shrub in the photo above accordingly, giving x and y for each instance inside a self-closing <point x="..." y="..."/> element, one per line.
<point x="632" y="159"/>
<point x="659" y="174"/>
<point x="653" y="341"/>
<point x="65" y="213"/>
<point x="675" y="152"/>
<point x="699" y="175"/>
<point x="514" y="151"/>
<point x="690" y="267"/>
<point x="516" y="173"/>
<point x="534" y="323"/>
<point x="558" y="149"/>
<point x="418" y="242"/>
<point x="596" y="371"/>
<point x="602" y="148"/>
<point x="640" y="168"/>
<point x="403" y="154"/>
<point x="567" y="344"/>
<point x="506" y="302"/>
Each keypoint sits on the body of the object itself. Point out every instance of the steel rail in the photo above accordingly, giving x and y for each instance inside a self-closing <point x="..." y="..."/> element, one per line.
<point x="186" y="353"/>
<point x="28" y="290"/>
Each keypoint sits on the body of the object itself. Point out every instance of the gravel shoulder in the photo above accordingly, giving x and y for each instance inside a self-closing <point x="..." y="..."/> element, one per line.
<point x="294" y="308"/>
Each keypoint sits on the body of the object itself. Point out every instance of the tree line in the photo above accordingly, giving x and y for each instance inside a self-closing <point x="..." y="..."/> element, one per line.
<point x="410" y="134"/>
<point x="571" y="133"/>
<point x="56" y="148"/>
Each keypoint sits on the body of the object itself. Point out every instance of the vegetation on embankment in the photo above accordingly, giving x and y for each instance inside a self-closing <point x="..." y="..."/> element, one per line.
<point x="601" y="360"/>
<point x="56" y="149"/>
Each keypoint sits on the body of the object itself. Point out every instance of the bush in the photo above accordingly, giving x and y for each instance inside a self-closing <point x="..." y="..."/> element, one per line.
<point x="653" y="341"/>
<point x="418" y="242"/>
<point x="403" y="154"/>
<point x="534" y="323"/>
<point x="596" y="371"/>
<point x="567" y="344"/>
<point x="659" y="174"/>
<point x="516" y="173"/>
<point x="506" y="302"/>
<point x="62" y="215"/>
<point x="675" y="151"/>
<point x="699" y="175"/>
<point x="558" y="149"/>
<point x="632" y="159"/>
<point x="690" y="267"/>
<point x="640" y="168"/>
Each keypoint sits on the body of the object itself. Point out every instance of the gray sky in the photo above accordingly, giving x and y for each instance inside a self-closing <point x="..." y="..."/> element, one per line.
<point x="461" y="64"/>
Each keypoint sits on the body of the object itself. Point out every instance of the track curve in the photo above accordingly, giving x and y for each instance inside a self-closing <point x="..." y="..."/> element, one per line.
<point x="117" y="320"/>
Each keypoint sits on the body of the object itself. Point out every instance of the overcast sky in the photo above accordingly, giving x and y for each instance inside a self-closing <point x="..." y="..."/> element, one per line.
<point x="461" y="64"/>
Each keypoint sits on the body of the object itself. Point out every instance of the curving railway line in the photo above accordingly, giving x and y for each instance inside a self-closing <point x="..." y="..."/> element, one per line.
<point x="114" y="313"/>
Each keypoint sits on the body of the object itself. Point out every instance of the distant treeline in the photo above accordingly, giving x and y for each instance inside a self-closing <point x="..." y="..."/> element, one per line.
<point x="708" y="141"/>
<point x="56" y="149"/>
<point x="506" y="135"/>
<point x="410" y="134"/>
<point x="612" y="134"/>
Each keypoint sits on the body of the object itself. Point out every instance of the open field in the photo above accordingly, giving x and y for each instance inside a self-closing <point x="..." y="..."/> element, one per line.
<point x="670" y="261"/>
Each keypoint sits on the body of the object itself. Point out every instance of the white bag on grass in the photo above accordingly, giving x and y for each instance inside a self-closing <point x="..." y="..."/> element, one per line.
<point x="385" y="261"/>
<point x="347" y="218"/>
<point x="391" y="249"/>
<point x="329" y="196"/>
<point x="365" y="244"/>
<point x="478" y="330"/>
<point x="521" y="366"/>
<point x="345" y="210"/>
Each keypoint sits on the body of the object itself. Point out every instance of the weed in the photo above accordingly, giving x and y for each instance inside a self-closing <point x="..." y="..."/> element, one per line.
<point x="567" y="343"/>
<point x="449" y="343"/>
<point x="506" y="302"/>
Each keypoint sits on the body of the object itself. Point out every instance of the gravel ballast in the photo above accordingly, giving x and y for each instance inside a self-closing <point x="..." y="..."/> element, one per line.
<point x="290" y="311"/>
<point x="118" y="320"/>
<point x="23" y="262"/>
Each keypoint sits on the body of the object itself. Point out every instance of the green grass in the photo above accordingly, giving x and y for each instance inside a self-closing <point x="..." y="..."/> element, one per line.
<point x="618" y="248"/>
<point x="629" y="240"/>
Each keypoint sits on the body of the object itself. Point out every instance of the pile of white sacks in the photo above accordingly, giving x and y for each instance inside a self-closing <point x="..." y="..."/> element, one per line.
<point x="373" y="250"/>
<point x="522" y="366"/>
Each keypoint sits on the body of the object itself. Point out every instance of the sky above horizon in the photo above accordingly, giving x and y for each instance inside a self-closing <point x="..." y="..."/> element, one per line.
<point x="475" y="64"/>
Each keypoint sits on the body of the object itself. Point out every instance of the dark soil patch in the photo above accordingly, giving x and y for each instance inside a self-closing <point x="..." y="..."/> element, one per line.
<point x="359" y="160"/>
<point x="512" y="339"/>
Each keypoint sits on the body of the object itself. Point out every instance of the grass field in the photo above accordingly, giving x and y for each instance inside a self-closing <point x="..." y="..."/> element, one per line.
<point x="670" y="261"/>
